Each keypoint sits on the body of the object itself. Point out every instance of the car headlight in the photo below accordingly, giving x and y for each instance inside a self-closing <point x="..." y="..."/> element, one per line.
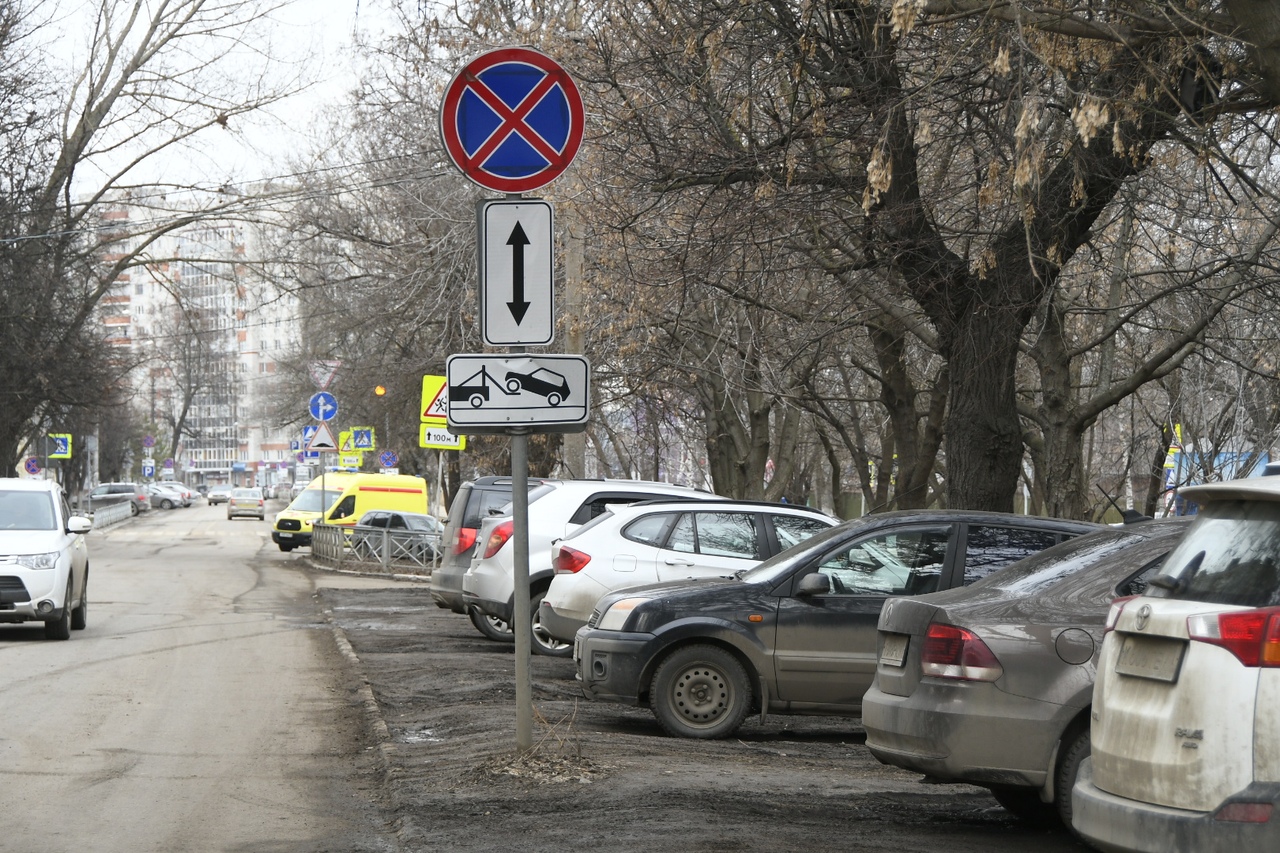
<point x="38" y="561"/>
<point x="616" y="616"/>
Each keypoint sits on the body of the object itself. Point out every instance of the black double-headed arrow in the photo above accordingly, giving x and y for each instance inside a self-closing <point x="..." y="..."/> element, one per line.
<point x="517" y="241"/>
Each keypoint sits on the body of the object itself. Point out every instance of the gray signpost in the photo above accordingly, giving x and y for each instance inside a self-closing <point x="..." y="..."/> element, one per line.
<point x="521" y="393"/>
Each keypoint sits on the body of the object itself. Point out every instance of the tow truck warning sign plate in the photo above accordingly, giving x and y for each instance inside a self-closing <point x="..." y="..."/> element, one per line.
<point x="493" y="394"/>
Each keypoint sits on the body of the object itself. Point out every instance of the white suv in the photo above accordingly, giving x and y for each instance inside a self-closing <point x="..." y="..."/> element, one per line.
<point x="44" y="562"/>
<point x="1186" y="705"/>
<point x="656" y="542"/>
<point x="556" y="509"/>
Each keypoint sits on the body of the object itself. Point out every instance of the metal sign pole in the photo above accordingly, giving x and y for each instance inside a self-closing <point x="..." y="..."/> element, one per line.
<point x="521" y="622"/>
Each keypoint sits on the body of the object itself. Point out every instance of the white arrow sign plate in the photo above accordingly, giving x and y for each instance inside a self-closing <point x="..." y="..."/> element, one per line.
<point x="516" y="259"/>
<point x="540" y="393"/>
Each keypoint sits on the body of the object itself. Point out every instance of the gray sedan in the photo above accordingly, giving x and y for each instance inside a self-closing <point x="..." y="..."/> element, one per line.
<point x="991" y="684"/>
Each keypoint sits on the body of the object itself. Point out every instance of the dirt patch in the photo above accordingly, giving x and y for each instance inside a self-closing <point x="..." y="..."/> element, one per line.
<point x="605" y="777"/>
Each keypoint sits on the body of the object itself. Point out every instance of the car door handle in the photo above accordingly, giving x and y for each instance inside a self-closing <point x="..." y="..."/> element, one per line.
<point x="671" y="561"/>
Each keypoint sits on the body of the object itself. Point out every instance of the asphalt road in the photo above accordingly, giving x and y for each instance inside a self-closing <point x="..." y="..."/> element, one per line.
<point x="204" y="708"/>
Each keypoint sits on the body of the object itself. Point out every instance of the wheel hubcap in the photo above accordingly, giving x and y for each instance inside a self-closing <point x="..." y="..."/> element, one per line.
<point x="701" y="694"/>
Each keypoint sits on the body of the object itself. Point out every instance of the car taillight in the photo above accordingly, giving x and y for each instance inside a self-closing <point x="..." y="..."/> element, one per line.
<point x="464" y="539"/>
<point x="498" y="538"/>
<point x="569" y="561"/>
<point x="1113" y="615"/>
<point x="951" y="652"/>
<point x="1253" y="636"/>
<point x="1245" y="812"/>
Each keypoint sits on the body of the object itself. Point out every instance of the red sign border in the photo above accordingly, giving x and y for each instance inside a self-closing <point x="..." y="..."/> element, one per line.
<point x="465" y="78"/>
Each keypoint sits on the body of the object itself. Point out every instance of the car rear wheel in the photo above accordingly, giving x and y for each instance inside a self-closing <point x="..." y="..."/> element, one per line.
<point x="166" y="504"/>
<point x="133" y="508"/>
<point x="1075" y="748"/>
<point x="1025" y="804"/>
<point x="491" y="626"/>
<point x="60" y="628"/>
<point x="544" y="643"/>
<point x="700" y="692"/>
<point x="80" y="616"/>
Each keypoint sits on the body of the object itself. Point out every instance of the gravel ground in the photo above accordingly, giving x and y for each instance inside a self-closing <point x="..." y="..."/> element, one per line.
<point x="440" y="702"/>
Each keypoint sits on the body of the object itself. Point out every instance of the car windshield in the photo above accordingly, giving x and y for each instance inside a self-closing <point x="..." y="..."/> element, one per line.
<point x="246" y="493"/>
<point x="773" y="568"/>
<point x="27" y="511"/>
<point x="313" y="500"/>
<point x="1230" y="555"/>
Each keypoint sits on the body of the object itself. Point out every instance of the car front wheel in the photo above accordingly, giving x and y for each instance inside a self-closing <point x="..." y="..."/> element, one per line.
<point x="700" y="692"/>
<point x="60" y="628"/>
<point x="80" y="616"/>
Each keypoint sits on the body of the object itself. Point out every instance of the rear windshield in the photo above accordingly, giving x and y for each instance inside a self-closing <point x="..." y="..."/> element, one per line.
<point x="1231" y="555"/>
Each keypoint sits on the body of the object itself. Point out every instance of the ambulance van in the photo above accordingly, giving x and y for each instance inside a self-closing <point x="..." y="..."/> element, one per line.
<point x="342" y="498"/>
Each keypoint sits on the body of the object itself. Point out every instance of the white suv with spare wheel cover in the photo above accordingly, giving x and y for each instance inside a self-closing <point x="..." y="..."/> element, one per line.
<point x="1186" y="705"/>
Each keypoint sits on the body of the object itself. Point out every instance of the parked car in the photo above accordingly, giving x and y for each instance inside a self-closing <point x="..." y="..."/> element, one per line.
<point x="163" y="498"/>
<point x="556" y="509"/>
<point x="408" y="535"/>
<point x="474" y="502"/>
<point x="653" y="541"/>
<point x="796" y="634"/>
<point x="1185" y="710"/>
<point x="246" y="502"/>
<point x="991" y="684"/>
<point x="180" y="488"/>
<point x="218" y="495"/>
<point x="45" y="574"/>
<point x="114" y="493"/>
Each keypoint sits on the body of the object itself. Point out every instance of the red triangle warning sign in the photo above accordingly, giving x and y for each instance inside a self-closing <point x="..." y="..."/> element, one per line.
<point x="435" y="399"/>
<point x="322" y="439"/>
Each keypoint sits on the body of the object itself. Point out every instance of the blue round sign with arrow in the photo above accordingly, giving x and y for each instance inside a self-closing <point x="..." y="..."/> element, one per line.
<point x="323" y="406"/>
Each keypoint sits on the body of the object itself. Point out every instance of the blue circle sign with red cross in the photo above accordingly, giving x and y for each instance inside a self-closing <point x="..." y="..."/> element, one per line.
<point x="512" y="119"/>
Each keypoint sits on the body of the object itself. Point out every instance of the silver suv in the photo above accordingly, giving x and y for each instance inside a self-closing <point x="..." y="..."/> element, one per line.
<point x="556" y="509"/>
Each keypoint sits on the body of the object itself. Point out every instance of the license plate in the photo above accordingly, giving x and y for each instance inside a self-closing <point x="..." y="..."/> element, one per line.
<point x="286" y="535"/>
<point x="894" y="650"/>
<point x="1156" y="658"/>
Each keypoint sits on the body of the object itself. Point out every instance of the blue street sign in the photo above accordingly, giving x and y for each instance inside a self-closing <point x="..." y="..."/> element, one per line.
<point x="294" y="444"/>
<point x="323" y="406"/>
<point x="32" y="466"/>
<point x="148" y="441"/>
<point x="308" y="431"/>
<point x="388" y="458"/>
<point x="361" y="439"/>
<point x="148" y="470"/>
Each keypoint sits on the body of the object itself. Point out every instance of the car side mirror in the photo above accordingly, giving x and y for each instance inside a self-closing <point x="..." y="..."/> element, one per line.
<point x="79" y="524"/>
<point x="813" y="584"/>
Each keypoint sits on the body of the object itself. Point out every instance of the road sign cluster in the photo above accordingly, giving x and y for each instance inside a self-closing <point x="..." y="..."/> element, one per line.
<point x="512" y="121"/>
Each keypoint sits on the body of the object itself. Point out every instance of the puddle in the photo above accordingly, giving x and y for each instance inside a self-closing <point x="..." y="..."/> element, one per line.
<point x="419" y="736"/>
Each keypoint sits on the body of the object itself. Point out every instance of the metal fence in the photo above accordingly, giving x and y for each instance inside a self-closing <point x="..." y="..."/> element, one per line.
<point x="111" y="514"/>
<point x="375" y="548"/>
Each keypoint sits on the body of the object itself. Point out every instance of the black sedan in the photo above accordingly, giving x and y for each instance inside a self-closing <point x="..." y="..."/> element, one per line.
<point x="796" y="634"/>
<point x="992" y="684"/>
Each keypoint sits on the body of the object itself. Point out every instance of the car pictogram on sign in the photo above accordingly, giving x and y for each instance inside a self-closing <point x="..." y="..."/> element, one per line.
<point x="546" y="383"/>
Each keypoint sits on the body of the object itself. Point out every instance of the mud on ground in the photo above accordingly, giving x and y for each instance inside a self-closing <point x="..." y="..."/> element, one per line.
<point x="605" y="777"/>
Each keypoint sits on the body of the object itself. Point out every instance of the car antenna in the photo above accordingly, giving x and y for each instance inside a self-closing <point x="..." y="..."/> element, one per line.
<point x="1127" y="516"/>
